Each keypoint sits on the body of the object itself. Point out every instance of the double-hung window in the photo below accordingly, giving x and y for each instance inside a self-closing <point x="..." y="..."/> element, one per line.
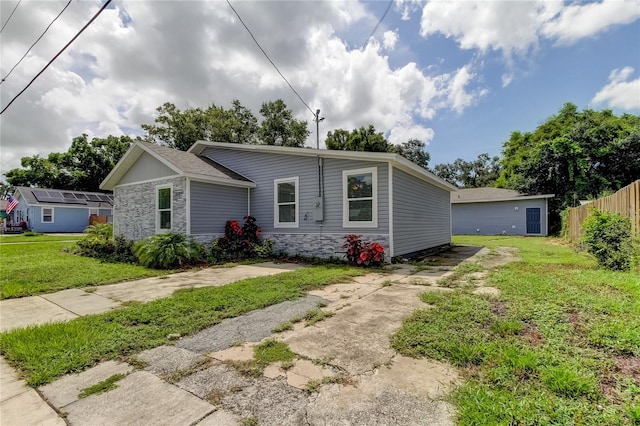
<point x="285" y="203"/>
<point x="47" y="215"/>
<point x="360" y="198"/>
<point x="163" y="208"/>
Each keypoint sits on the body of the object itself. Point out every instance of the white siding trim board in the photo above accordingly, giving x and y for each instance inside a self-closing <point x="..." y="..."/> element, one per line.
<point x="390" y="195"/>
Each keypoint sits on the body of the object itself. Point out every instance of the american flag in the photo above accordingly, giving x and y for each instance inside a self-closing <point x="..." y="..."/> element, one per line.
<point x="11" y="204"/>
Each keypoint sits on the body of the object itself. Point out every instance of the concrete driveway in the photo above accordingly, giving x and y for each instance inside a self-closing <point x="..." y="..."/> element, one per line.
<point x="345" y="372"/>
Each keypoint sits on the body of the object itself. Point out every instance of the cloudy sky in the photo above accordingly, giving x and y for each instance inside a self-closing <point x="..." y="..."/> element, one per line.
<point x="459" y="75"/>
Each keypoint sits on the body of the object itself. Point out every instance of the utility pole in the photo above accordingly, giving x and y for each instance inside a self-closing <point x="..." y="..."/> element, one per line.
<point x="318" y="119"/>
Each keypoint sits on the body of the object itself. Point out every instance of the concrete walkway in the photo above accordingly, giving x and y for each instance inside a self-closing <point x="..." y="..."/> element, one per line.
<point x="346" y="372"/>
<point x="69" y="304"/>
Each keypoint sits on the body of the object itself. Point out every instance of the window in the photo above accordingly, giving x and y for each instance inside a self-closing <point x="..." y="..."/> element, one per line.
<point x="94" y="212"/>
<point x="163" y="215"/>
<point x="47" y="215"/>
<point x="285" y="203"/>
<point x="360" y="198"/>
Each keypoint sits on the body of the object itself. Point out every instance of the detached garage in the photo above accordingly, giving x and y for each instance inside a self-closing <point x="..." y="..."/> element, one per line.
<point x="497" y="211"/>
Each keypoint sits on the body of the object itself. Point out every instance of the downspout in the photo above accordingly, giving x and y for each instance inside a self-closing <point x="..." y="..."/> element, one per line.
<point x="248" y="201"/>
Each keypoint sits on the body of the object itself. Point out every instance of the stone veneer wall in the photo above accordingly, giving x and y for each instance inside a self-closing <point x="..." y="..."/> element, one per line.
<point x="321" y="245"/>
<point x="134" y="210"/>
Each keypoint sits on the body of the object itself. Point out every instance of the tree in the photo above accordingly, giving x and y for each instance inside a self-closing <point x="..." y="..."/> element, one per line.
<point x="180" y="129"/>
<point x="574" y="155"/>
<point x="362" y="139"/>
<point x="414" y="151"/>
<point x="279" y="127"/>
<point x="481" y="172"/>
<point x="82" y="168"/>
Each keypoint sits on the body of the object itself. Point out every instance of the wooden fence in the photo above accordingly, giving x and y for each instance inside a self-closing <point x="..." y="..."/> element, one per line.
<point x="626" y="202"/>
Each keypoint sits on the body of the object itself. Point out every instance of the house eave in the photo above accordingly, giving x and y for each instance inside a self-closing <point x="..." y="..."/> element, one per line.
<point x="491" y="200"/>
<point x="396" y="160"/>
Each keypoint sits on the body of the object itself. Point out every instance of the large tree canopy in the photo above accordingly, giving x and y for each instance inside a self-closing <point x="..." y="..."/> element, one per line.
<point x="478" y="173"/>
<point x="82" y="168"/>
<point x="574" y="155"/>
<point x="367" y="139"/>
<point x="180" y="129"/>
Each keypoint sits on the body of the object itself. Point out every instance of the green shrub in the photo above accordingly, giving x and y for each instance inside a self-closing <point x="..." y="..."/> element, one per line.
<point x="98" y="242"/>
<point x="165" y="251"/>
<point x="607" y="236"/>
<point x="240" y="242"/>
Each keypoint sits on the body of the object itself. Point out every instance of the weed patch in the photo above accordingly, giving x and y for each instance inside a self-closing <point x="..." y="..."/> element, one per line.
<point x="102" y="387"/>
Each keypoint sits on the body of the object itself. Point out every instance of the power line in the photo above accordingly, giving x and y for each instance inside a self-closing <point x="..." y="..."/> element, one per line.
<point x="384" y="15"/>
<point x="36" y="42"/>
<point x="9" y="18"/>
<point x="104" y="6"/>
<point x="267" y="56"/>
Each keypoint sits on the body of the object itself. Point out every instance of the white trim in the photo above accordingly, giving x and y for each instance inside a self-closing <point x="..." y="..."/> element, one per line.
<point x="220" y="181"/>
<point x="97" y="211"/>
<point x="390" y="195"/>
<point x="491" y="200"/>
<point x="188" y="207"/>
<point x="296" y="204"/>
<point x="53" y="210"/>
<point x="373" y="223"/>
<point x="157" y="210"/>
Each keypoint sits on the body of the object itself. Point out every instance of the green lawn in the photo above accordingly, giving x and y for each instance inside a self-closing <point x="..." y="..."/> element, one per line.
<point x="49" y="351"/>
<point x="561" y="345"/>
<point x="37" y="265"/>
<point x="37" y="238"/>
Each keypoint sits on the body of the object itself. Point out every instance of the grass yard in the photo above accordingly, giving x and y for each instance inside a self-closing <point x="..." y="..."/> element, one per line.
<point x="37" y="265"/>
<point x="49" y="351"/>
<point x="561" y="344"/>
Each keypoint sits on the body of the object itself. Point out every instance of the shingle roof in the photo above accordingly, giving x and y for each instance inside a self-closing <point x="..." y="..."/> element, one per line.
<point x="188" y="162"/>
<point x="477" y="195"/>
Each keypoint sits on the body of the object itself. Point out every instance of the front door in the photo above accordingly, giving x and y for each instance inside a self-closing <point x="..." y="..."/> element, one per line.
<point x="533" y="220"/>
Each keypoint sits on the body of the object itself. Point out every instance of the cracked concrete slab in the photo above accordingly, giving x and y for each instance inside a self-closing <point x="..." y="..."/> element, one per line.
<point x="141" y="398"/>
<point x="65" y="390"/>
<point x="356" y="338"/>
<point x="165" y="360"/>
<point x="251" y="327"/>
<point x="80" y="302"/>
<point x="149" y="289"/>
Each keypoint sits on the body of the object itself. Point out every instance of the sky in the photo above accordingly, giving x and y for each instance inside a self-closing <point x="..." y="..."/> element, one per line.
<point x="458" y="75"/>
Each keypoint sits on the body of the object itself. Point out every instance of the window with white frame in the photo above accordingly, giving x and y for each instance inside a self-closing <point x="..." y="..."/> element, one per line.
<point x="95" y="212"/>
<point x="360" y="198"/>
<point x="285" y="203"/>
<point x="47" y="215"/>
<point x="163" y="210"/>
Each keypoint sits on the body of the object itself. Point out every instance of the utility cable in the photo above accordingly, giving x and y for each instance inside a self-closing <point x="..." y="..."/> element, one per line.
<point x="384" y="15"/>
<point x="9" y="18"/>
<point x="36" y="42"/>
<point x="104" y="6"/>
<point x="267" y="56"/>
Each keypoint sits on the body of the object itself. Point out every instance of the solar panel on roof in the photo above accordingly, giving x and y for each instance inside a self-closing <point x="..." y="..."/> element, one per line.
<point x="54" y="194"/>
<point x="93" y="197"/>
<point x="103" y="198"/>
<point x="81" y="196"/>
<point x="68" y="195"/>
<point x="39" y="193"/>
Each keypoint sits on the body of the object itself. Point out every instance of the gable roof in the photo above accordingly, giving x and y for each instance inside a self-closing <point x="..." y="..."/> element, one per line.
<point x="487" y="195"/>
<point x="63" y="197"/>
<point x="183" y="163"/>
<point x="397" y="160"/>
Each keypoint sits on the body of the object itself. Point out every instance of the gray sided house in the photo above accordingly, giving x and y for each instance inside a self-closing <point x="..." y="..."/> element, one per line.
<point x="495" y="211"/>
<point x="56" y="210"/>
<point x="306" y="200"/>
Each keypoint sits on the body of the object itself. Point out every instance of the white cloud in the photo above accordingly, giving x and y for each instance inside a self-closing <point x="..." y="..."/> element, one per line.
<point x="515" y="27"/>
<point x="620" y="92"/>
<point x="195" y="53"/>
<point x="580" y="20"/>
<point x="401" y="134"/>
<point x="389" y="39"/>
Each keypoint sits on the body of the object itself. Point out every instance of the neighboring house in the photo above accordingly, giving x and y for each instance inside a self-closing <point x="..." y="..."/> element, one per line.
<point x="493" y="211"/>
<point x="55" y="210"/>
<point x="306" y="200"/>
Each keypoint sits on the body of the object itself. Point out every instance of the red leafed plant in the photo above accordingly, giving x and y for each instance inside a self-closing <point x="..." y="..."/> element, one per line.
<point x="358" y="253"/>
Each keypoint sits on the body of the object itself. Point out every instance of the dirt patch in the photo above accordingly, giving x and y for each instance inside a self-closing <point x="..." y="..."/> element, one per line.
<point x="533" y="336"/>
<point x="575" y="320"/>
<point x="499" y="308"/>
<point x="629" y="366"/>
